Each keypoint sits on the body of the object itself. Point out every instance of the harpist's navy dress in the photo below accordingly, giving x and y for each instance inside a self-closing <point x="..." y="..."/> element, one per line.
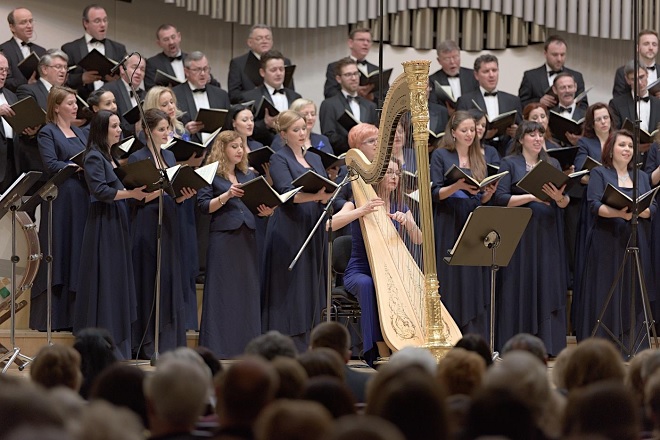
<point x="292" y="300"/>
<point x="144" y="239"/>
<point x="532" y="297"/>
<point x="69" y="216"/>
<point x="106" y="286"/>
<point x="231" y="309"/>
<point x="465" y="290"/>
<point x="606" y="242"/>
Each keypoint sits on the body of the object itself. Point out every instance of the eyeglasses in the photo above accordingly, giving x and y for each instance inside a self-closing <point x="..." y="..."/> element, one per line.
<point x="4" y="69"/>
<point x="58" y="66"/>
<point x="350" y="74"/>
<point x="602" y="119"/>
<point x="198" y="70"/>
<point x="370" y="141"/>
<point x="393" y="173"/>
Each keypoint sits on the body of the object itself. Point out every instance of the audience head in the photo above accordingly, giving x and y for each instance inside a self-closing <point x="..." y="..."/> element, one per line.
<point x="307" y="108"/>
<point x="363" y="427"/>
<point x="168" y="38"/>
<point x="293" y="420"/>
<point x="95" y="21"/>
<point x="57" y="365"/>
<point x="476" y="343"/>
<point x="123" y="386"/>
<point x="651" y="399"/>
<point x="415" y="356"/>
<point x="260" y="39"/>
<point x="559" y="368"/>
<point x="487" y="71"/>
<point x="364" y="137"/>
<point x="555" y="52"/>
<point x="618" y="149"/>
<point x="97" y="351"/>
<point x="102" y="421"/>
<point x="605" y="408"/>
<point x="272" y="344"/>
<point x="461" y="372"/>
<point x="244" y="390"/>
<point x="62" y="105"/>
<point x="133" y="70"/>
<point x="197" y="69"/>
<point x="21" y="24"/>
<point x="52" y="66"/>
<point x="272" y="68"/>
<point x="347" y="75"/>
<point x="332" y="335"/>
<point x="449" y="57"/>
<point x="598" y="121"/>
<point x="642" y="76"/>
<point x="593" y="360"/>
<point x="634" y="380"/>
<point x="359" y="42"/>
<point x="322" y="362"/>
<point x="647" y="46"/>
<point x="332" y="393"/>
<point x="102" y="99"/>
<point x="292" y="378"/>
<point x="209" y="359"/>
<point x="529" y="343"/>
<point x="24" y="404"/>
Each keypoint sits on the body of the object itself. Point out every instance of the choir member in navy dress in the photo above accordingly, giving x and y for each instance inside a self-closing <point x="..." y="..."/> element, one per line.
<point x="231" y="308"/>
<point x="491" y="156"/>
<point x="537" y="112"/>
<point x="106" y="285"/>
<point x="100" y="99"/>
<point x="58" y="141"/>
<point x="652" y="168"/>
<point x="144" y="226"/>
<point x="292" y="300"/>
<point x="308" y="109"/>
<point x="402" y="149"/>
<point x="532" y="298"/>
<point x="608" y="237"/>
<point x="453" y="201"/>
<point x="162" y="98"/>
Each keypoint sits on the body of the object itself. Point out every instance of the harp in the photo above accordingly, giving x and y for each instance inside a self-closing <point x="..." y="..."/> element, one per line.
<point x="407" y="287"/>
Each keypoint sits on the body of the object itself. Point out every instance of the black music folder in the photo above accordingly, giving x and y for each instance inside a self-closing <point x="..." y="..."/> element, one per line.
<point x="183" y="149"/>
<point x="165" y="79"/>
<point x="257" y="158"/>
<point x="258" y="192"/>
<point x="560" y="124"/>
<point x="347" y="120"/>
<point x="454" y="174"/>
<point x="141" y="173"/>
<point x="329" y="160"/>
<point x="95" y="60"/>
<point x="502" y="122"/>
<point x="265" y="106"/>
<point x="126" y="146"/>
<point x="184" y="176"/>
<point x="445" y="93"/>
<point x="29" y="65"/>
<point x="312" y="182"/>
<point x="565" y="156"/>
<point x="288" y="75"/>
<point x="17" y="190"/>
<point x="212" y="118"/>
<point x="591" y="163"/>
<point x="28" y="114"/>
<point x="616" y="199"/>
<point x="645" y="137"/>
<point x="374" y="77"/>
<point x="132" y="116"/>
<point x="542" y="173"/>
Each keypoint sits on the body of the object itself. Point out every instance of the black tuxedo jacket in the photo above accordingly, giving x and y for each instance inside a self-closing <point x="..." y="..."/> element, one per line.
<point x="218" y="98"/>
<point x="261" y="132"/>
<point x="37" y="91"/>
<point x="12" y="51"/>
<point x="535" y="83"/>
<point x="438" y="117"/>
<point x="123" y="103"/>
<point x="76" y="50"/>
<point x="466" y="78"/>
<point x="332" y="108"/>
<point x="623" y="107"/>
<point x="332" y="87"/>
<point x="7" y="157"/>
<point x="242" y="80"/>
<point x="162" y="62"/>
<point x="621" y="87"/>
<point x="27" y="156"/>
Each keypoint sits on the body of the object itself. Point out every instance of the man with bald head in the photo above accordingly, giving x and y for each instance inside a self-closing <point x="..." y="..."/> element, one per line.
<point x="19" y="46"/>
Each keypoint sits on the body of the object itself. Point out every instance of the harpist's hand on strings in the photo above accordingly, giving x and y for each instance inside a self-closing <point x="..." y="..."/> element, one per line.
<point x="372" y="205"/>
<point x="399" y="217"/>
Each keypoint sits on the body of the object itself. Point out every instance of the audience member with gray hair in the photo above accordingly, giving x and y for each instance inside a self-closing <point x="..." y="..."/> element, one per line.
<point x="272" y="344"/>
<point x="527" y="342"/>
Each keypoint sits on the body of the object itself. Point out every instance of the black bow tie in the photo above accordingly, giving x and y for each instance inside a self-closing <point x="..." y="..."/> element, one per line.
<point x="453" y="76"/>
<point x="202" y="90"/>
<point x="26" y="43"/>
<point x="276" y="91"/>
<point x="647" y="98"/>
<point x="490" y="94"/>
<point x="555" y="72"/>
<point x="350" y="98"/>
<point x="564" y="109"/>
<point x="651" y="67"/>
<point x="362" y="62"/>
<point x="94" y="40"/>
<point x="179" y="57"/>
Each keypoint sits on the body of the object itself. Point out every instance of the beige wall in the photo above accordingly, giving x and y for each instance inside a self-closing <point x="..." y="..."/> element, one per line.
<point x="134" y="24"/>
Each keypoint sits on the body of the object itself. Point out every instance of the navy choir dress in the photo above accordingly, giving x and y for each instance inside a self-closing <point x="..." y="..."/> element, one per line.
<point x="491" y="156"/>
<point x="69" y="216"/>
<point x="106" y="297"/>
<point x="532" y="294"/>
<point x="144" y="226"/>
<point x="605" y="247"/>
<point x="652" y="162"/>
<point x="261" y="222"/>
<point x="465" y="290"/>
<point x="231" y="308"/>
<point x="189" y="258"/>
<point x="292" y="300"/>
<point x="319" y="141"/>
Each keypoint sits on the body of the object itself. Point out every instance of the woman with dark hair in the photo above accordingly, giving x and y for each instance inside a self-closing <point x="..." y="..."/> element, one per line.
<point x="537" y="112"/>
<point x="608" y="232"/>
<point x="232" y="280"/>
<point x="106" y="296"/>
<point x="172" y="326"/>
<point x="99" y="99"/>
<point x="60" y="140"/>
<point x="532" y="297"/>
<point x="241" y="119"/>
<point x="453" y="202"/>
<point x="598" y="125"/>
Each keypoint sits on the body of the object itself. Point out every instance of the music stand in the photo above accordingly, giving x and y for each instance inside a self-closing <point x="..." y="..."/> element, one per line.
<point x="48" y="193"/>
<point x="489" y="238"/>
<point x="11" y="201"/>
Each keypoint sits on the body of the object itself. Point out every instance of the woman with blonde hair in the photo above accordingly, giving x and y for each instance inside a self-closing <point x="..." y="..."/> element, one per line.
<point x="164" y="99"/>
<point x="308" y="109"/>
<point x="293" y="298"/>
<point x="232" y="280"/>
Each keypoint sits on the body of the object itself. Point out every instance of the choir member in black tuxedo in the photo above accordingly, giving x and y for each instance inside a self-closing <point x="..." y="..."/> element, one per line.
<point x="490" y="100"/>
<point x="95" y="23"/>
<point x="453" y="202"/>
<point x="19" y="46"/>
<point x="532" y="298"/>
<point x="623" y="106"/>
<point x="232" y="280"/>
<point x="608" y="234"/>
<point x="8" y="139"/>
<point x="565" y="88"/>
<point x="197" y="93"/>
<point x="460" y="79"/>
<point x="52" y="72"/>
<point x="272" y="89"/>
<point x="144" y="240"/>
<point x="132" y="73"/>
<point x="308" y="109"/>
<point x="536" y="82"/>
<point x="647" y="50"/>
<point x="292" y="300"/>
<point x="359" y="44"/>
<point x="244" y="74"/>
<point x="106" y="288"/>
<point x="347" y="75"/>
<point x="170" y="60"/>
<point x="59" y="140"/>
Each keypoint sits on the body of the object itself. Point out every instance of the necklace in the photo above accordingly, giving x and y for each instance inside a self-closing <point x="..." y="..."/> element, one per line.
<point x="623" y="179"/>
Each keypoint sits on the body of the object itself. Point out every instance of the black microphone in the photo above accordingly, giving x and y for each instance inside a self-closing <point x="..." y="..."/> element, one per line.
<point x="121" y="63"/>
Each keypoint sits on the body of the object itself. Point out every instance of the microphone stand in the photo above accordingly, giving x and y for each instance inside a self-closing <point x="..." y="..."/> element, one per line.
<point x="164" y="183"/>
